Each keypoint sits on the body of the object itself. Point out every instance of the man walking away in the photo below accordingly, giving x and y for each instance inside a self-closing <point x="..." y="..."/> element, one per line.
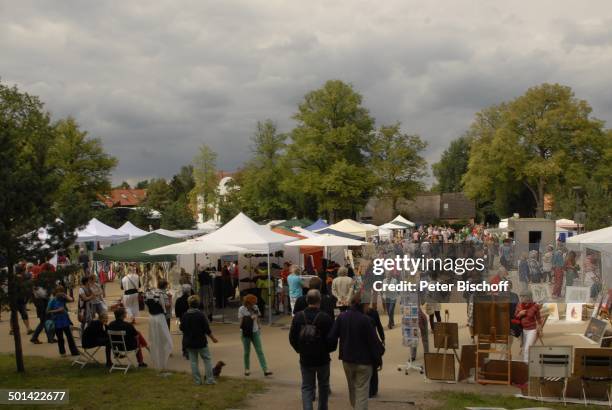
<point x="328" y="303"/>
<point x="360" y="350"/>
<point x="308" y="336"/>
<point x="195" y="328"/>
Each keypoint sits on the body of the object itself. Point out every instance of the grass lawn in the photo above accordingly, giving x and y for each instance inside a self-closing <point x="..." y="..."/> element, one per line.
<point x="94" y="388"/>
<point x="459" y="401"/>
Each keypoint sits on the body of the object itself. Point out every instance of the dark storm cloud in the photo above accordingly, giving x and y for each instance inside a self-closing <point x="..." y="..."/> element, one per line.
<point x="155" y="80"/>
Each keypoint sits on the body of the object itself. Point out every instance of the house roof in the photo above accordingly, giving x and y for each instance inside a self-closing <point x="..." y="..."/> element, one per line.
<point x="124" y="197"/>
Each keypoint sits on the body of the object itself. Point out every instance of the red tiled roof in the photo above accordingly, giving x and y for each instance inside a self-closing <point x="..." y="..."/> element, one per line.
<point x="124" y="197"/>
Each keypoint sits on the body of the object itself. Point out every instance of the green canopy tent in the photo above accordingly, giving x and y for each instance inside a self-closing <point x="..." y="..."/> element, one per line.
<point x="132" y="250"/>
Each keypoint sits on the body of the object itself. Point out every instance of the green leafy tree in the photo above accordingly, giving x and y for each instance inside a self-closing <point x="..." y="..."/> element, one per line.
<point x="182" y="183"/>
<point x="542" y="134"/>
<point x="397" y="163"/>
<point x="327" y="157"/>
<point x="177" y="215"/>
<point x="84" y="169"/>
<point x="232" y="202"/>
<point x="159" y="195"/>
<point x="260" y="180"/>
<point x="31" y="187"/>
<point x="142" y="184"/>
<point x="452" y="166"/>
<point x="206" y="181"/>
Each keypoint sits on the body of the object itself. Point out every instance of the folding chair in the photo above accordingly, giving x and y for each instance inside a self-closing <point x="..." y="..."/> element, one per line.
<point x="120" y="351"/>
<point x="86" y="356"/>
<point x="596" y="370"/>
<point x="551" y="364"/>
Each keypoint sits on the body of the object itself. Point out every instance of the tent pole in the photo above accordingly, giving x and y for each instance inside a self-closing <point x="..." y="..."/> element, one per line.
<point x="269" y="289"/>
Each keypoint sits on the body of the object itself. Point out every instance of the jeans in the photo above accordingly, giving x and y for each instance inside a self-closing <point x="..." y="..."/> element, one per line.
<point x="390" y="306"/>
<point x="59" y="333"/>
<point x="310" y="376"/>
<point x="38" y="331"/>
<point x="204" y="353"/>
<point x="246" y="344"/>
<point x="358" y="380"/>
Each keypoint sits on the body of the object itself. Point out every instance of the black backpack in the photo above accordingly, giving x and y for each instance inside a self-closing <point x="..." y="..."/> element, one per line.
<point x="246" y="325"/>
<point x="309" y="333"/>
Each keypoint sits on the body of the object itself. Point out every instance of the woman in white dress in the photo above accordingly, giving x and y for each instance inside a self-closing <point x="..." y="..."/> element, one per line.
<point x="130" y="284"/>
<point x="160" y="340"/>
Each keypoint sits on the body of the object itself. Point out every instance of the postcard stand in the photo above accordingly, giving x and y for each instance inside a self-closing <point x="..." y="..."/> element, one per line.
<point x="410" y="328"/>
<point x="492" y="330"/>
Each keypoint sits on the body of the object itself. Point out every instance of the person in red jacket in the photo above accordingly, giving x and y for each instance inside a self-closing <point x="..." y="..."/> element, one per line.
<point x="528" y="313"/>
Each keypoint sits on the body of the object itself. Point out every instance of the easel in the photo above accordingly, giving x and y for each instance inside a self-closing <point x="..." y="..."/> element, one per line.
<point x="450" y="334"/>
<point x="492" y="328"/>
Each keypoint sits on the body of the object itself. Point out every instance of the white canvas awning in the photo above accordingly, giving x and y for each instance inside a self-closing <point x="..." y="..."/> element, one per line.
<point x="195" y="246"/>
<point x="132" y="230"/>
<point x="600" y="240"/>
<point x="400" y="220"/>
<point x="96" y="231"/>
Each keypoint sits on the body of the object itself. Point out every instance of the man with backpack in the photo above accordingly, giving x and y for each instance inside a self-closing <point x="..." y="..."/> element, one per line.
<point x="308" y="336"/>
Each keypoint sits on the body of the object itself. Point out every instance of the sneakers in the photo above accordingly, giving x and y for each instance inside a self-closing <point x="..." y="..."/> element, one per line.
<point x="247" y="372"/>
<point x="268" y="373"/>
<point x="143" y="364"/>
<point x="36" y="341"/>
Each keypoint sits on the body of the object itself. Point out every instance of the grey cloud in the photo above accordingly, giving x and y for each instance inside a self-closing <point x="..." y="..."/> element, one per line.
<point x="155" y="80"/>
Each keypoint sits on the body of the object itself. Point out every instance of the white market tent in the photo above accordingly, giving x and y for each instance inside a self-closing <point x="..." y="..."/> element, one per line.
<point x="327" y="240"/>
<point x="96" y="231"/>
<point x="194" y="246"/>
<point x="242" y="232"/>
<point x="567" y="224"/>
<point x="208" y="226"/>
<point x="599" y="240"/>
<point x="354" y="228"/>
<point x="181" y="233"/>
<point x="132" y="230"/>
<point x="391" y="226"/>
<point x="400" y="220"/>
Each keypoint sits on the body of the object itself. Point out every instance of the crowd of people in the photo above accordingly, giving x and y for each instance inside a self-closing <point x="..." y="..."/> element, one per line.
<point x="332" y="309"/>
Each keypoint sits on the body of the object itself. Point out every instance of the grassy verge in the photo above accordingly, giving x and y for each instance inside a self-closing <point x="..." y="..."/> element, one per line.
<point x="94" y="388"/>
<point x="459" y="401"/>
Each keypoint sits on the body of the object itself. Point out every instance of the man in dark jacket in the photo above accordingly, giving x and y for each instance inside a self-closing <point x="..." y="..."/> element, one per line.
<point x="313" y="346"/>
<point x="360" y="350"/>
<point x="131" y="337"/>
<point x="95" y="335"/>
<point x="328" y="303"/>
<point x="195" y="328"/>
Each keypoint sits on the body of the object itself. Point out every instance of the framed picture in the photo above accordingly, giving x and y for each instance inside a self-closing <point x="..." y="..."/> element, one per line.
<point x="577" y="294"/>
<point x="595" y="330"/>
<point x="540" y="292"/>
<point x="552" y="310"/>
<point x="573" y="312"/>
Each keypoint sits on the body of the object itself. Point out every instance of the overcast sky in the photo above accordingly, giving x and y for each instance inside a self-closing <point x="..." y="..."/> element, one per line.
<point x="155" y="79"/>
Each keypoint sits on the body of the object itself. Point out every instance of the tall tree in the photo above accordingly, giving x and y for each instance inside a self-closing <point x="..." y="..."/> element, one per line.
<point x="206" y="180"/>
<point x="177" y="215"/>
<point x="260" y="180"/>
<point x="84" y="169"/>
<point x="452" y="166"/>
<point x="159" y="194"/>
<point x="182" y="183"/>
<point x="542" y="137"/>
<point x="397" y="163"/>
<point x="32" y="194"/>
<point x="328" y="153"/>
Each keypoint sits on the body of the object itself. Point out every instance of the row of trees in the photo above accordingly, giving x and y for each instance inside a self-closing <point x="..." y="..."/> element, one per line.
<point x="543" y="143"/>
<point x="329" y="165"/>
